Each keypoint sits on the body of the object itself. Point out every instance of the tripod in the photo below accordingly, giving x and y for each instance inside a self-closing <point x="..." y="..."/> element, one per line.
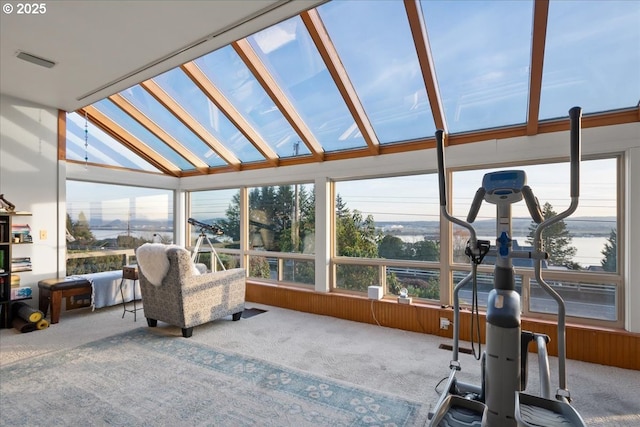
<point x="196" y="251"/>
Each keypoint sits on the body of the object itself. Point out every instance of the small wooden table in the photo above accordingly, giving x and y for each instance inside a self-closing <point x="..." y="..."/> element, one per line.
<point x="52" y="291"/>
<point x="129" y="272"/>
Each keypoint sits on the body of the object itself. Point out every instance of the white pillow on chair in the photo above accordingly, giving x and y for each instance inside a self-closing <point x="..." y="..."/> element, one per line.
<point x="153" y="261"/>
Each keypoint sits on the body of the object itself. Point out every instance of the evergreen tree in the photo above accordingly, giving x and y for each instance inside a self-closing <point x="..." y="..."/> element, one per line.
<point x="341" y="207"/>
<point x="231" y="225"/>
<point x="610" y="252"/>
<point x="424" y="250"/>
<point x="392" y="247"/>
<point x="356" y="237"/>
<point x="282" y="219"/>
<point x="556" y="240"/>
<point x="80" y="229"/>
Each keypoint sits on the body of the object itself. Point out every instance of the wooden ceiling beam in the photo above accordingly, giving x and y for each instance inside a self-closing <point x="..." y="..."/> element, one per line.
<point x="62" y="135"/>
<point x="328" y="52"/>
<point x="189" y="121"/>
<point x="540" y="15"/>
<point x="425" y="59"/>
<point x="121" y="135"/>
<point x="260" y="72"/>
<point x="158" y="131"/>
<point x="213" y="93"/>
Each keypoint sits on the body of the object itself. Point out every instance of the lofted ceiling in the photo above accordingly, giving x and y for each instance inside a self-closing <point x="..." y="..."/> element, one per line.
<point x="101" y="47"/>
<point x="191" y="88"/>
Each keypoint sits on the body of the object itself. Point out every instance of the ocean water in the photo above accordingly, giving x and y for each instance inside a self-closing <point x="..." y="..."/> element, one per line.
<point x="589" y="249"/>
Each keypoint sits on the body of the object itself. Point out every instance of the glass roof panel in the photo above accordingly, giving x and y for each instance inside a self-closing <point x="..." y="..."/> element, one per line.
<point x="481" y="51"/>
<point x="198" y="105"/>
<point x="292" y="58"/>
<point x="233" y="78"/>
<point x="592" y="57"/>
<point x="110" y="110"/>
<point x="101" y="148"/>
<point x="381" y="61"/>
<point x="150" y="107"/>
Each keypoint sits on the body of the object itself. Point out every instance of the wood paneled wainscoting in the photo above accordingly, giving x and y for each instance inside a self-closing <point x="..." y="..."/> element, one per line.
<point x="610" y="347"/>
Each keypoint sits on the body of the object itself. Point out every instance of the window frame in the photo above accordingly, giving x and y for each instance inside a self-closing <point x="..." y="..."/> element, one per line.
<point x="616" y="278"/>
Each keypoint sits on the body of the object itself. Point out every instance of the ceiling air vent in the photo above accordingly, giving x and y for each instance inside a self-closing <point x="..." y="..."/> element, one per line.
<point x="35" y="59"/>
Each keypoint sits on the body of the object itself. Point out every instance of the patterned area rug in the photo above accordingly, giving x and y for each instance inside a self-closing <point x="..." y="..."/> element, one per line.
<point x="144" y="379"/>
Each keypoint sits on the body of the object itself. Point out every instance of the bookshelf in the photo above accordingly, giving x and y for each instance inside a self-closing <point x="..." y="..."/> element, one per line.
<point x="14" y="231"/>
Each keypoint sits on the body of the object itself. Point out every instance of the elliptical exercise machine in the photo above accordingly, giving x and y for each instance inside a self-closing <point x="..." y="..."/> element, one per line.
<point x="500" y="401"/>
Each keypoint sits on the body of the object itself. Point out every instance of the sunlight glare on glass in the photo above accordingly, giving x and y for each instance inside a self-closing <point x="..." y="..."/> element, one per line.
<point x="232" y="77"/>
<point x="102" y="149"/>
<point x="592" y="57"/>
<point x="198" y="105"/>
<point x="292" y="58"/>
<point x="380" y="58"/>
<point x="110" y="110"/>
<point x="481" y="51"/>
<point x="150" y="107"/>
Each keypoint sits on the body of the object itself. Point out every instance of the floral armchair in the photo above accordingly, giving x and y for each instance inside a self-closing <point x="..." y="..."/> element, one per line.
<point x="174" y="291"/>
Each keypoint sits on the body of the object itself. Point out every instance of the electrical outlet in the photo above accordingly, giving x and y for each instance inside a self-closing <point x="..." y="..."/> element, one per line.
<point x="444" y="323"/>
<point x="43" y="234"/>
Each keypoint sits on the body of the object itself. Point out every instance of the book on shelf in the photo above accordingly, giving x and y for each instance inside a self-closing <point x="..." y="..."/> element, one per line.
<point x="21" y="264"/>
<point x="20" y="228"/>
<point x="21" y="233"/>
<point x="21" y="292"/>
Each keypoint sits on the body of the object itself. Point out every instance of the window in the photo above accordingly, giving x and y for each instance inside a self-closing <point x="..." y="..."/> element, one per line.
<point x="578" y="242"/>
<point x="106" y="223"/>
<point x="88" y="143"/>
<point x="583" y="265"/>
<point x="219" y="209"/>
<point x="591" y="57"/>
<point x="282" y="220"/>
<point x="489" y="87"/>
<point x="394" y="221"/>
<point x="307" y="83"/>
<point x="381" y="61"/>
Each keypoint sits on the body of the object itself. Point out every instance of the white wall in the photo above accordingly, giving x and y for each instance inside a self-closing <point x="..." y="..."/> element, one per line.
<point x="30" y="178"/>
<point x="632" y="242"/>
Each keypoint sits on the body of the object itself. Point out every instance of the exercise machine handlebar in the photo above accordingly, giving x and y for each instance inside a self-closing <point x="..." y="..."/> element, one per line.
<point x="575" y="115"/>
<point x="532" y="204"/>
<point x="473" y="241"/>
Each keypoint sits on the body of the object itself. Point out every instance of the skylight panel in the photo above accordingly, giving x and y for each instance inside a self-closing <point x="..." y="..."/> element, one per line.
<point x="232" y="77"/>
<point x="381" y="61"/>
<point x="177" y="85"/>
<point x="481" y="51"/>
<point x="144" y="102"/>
<point x="101" y="148"/>
<point x="134" y="128"/>
<point x="592" y="57"/>
<point x="290" y="55"/>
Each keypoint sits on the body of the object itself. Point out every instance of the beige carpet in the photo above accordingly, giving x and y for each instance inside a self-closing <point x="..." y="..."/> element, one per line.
<point x="391" y="361"/>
